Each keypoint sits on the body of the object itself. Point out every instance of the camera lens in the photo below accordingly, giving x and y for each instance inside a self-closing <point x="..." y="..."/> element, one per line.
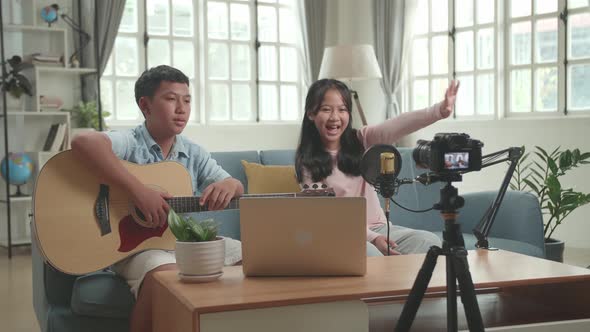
<point x="421" y="154"/>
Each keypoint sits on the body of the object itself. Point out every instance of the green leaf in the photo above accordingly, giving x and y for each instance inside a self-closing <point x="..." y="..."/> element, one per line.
<point x="565" y="160"/>
<point x="178" y="226"/>
<point x="585" y="156"/>
<point x="576" y="156"/>
<point x="552" y="166"/>
<point x="543" y="154"/>
<point x="532" y="186"/>
<point x="554" y="189"/>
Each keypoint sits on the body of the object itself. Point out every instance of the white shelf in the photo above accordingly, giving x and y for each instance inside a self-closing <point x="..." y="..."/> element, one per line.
<point x="37" y="113"/>
<point x="22" y="27"/>
<point x="16" y="242"/>
<point x="17" y="199"/>
<point x="64" y="70"/>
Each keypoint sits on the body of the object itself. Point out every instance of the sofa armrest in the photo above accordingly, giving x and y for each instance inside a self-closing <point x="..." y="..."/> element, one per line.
<point x="519" y="217"/>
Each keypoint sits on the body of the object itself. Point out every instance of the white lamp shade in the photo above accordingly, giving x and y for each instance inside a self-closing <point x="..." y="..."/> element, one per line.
<point x="350" y="62"/>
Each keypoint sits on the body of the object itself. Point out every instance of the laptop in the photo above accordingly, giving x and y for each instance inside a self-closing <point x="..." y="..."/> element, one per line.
<point x="303" y="236"/>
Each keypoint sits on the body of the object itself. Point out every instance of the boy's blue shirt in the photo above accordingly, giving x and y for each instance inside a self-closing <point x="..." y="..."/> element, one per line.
<point x="137" y="146"/>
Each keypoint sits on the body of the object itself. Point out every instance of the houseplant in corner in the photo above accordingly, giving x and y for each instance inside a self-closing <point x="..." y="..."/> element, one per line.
<point x="540" y="174"/>
<point x="200" y="253"/>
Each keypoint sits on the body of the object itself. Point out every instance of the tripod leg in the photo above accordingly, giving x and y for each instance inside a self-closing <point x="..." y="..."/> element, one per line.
<point x="451" y="295"/>
<point x="468" y="298"/>
<point x="418" y="289"/>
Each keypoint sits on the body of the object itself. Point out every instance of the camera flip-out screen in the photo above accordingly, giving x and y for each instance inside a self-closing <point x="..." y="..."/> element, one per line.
<point x="457" y="160"/>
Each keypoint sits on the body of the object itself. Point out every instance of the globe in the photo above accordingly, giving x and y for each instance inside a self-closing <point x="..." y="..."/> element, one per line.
<point x="49" y="13"/>
<point x="20" y="169"/>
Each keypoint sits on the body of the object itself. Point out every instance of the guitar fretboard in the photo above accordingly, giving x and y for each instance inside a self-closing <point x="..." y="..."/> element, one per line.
<point x="187" y="204"/>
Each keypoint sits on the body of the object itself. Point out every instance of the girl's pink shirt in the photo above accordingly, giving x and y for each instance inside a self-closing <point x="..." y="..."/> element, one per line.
<point x="387" y="132"/>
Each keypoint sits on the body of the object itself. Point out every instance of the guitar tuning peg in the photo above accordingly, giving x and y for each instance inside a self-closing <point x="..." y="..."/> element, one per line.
<point x="306" y="186"/>
<point x="324" y="186"/>
<point x="315" y="186"/>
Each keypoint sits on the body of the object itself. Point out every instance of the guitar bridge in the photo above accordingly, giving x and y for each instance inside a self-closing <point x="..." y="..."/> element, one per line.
<point x="101" y="209"/>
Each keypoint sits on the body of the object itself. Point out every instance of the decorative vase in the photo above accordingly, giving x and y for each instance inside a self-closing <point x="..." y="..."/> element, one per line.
<point x="200" y="261"/>
<point x="554" y="249"/>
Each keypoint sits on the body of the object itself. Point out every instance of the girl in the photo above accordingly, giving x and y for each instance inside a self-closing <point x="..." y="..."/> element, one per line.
<point x="330" y="151"/>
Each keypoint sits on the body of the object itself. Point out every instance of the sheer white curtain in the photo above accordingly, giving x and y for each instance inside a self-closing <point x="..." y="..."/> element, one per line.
<point x="311" y="15"/>
<point x="393" y="25"/>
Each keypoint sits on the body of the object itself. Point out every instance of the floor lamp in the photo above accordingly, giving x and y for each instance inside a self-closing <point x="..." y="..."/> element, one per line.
<point x="351" y="63"/>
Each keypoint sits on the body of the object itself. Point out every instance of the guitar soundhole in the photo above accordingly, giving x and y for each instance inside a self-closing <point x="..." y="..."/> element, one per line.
<point x="139" y="214"/>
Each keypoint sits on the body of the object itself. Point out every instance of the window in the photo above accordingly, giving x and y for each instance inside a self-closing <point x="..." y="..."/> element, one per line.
<point x="541" y="62"/>
<point x="229" y="82"/>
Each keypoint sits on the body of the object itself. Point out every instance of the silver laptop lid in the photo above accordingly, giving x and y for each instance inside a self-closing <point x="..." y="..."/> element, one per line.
<point x="303" y="236"/>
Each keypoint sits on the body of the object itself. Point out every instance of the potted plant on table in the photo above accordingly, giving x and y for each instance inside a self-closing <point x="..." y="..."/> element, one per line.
<point x="540" y="174"/>
<point x="200" y="252"/>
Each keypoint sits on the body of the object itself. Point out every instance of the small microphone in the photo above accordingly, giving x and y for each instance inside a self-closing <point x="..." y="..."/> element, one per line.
<point x="386" y="179"/>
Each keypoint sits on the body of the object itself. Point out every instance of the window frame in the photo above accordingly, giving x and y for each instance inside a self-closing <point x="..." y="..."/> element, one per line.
<point x="200" y="83"/>
<point x="502" y="62"/>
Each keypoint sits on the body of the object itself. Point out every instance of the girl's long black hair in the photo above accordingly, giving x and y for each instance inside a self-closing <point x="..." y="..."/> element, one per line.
<point x="311" y="154"/>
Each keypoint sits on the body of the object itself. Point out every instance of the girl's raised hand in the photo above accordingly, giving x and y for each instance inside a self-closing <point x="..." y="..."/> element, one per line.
<point x="449" y="103"/>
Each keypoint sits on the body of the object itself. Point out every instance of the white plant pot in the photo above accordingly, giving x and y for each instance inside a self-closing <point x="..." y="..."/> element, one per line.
<point x="200" y="258"/>
<point x="12" y="103"/>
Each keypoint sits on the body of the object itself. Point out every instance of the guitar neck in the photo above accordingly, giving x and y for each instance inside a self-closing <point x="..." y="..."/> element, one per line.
<point x="187" y="204"/>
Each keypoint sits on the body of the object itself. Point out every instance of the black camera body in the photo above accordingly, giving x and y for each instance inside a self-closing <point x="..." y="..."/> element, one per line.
<point x="449" y="153"/>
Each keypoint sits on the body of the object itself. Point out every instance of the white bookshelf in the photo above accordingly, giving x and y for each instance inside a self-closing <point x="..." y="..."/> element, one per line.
<point x="29" y="122"/>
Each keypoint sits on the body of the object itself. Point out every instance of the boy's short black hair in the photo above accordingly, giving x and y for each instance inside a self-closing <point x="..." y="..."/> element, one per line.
<point x="150" y="80"/>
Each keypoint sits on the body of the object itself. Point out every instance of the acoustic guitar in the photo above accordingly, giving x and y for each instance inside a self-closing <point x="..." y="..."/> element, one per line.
<point x="83" y="225"/>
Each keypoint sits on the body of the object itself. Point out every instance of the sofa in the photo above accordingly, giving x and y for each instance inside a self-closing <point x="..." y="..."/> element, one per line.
<point x="101" y="301"/>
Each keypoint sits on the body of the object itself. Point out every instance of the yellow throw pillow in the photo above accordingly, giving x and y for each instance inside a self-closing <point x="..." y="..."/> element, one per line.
<point x="269" y="179"/>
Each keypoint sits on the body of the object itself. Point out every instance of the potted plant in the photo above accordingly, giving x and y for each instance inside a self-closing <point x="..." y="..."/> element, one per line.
<point x="540" y="174"/>
<point x="15" y="83"/>
<point x="85" y="115"/>
<point x="200" y="253"/>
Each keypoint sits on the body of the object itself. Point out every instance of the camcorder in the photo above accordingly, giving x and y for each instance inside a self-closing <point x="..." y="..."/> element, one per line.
<point x="449" y="153"/>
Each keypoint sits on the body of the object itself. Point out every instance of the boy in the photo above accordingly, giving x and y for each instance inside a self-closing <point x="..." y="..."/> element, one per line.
<point x="162" y="94"/>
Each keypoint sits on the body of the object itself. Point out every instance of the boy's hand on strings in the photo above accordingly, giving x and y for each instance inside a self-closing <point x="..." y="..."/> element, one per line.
<point x="152" y="205"/>
<point x="446" y="108"/>
<point x="381" y="243"/>
<point x="218" y="195"/>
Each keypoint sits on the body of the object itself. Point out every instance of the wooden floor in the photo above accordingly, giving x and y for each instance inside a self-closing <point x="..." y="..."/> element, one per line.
<point x="16" y="299"/>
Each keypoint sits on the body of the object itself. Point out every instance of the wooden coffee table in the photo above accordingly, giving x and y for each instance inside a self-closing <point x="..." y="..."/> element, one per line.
<point x="512" y="289"/>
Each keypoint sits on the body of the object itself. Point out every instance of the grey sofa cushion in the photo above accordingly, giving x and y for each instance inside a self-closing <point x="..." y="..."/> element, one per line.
<point x="277" y="157"/>
<point x="102" y="294"/>
<point x="58" y="285"/>
<point x="231" y="162"/>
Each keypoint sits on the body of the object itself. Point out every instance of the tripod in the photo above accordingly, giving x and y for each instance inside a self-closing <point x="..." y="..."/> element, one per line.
<point x="457" y="268"/>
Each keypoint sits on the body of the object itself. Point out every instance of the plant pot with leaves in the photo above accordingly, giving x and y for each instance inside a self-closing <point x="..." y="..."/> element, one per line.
<point x="200" y="253"/>
<point x="540" y="174"/>
<point x="15" y="83"/>
<point x="85" y="117"/>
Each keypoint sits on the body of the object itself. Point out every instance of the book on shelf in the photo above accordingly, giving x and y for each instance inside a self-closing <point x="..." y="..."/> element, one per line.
<point x="50" y="137"/>
<point x="57" y="137"/>
<point x="44" y="60"/>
